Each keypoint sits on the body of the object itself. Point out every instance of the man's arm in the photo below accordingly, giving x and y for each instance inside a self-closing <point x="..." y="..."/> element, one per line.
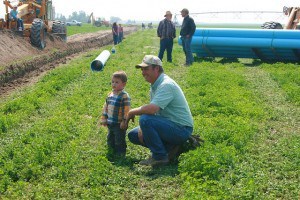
<point x="159" y="29"/>
<point x="149" y="109"/>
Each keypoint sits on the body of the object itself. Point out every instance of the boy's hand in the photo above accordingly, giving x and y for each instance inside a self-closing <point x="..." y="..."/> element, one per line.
<point x="101" y="123"/>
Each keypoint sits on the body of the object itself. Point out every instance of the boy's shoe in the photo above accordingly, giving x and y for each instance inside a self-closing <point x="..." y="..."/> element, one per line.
<point x="152" y="162"/>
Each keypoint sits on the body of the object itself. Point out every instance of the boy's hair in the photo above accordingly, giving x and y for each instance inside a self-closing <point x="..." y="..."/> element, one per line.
<point x="121" y="75"/>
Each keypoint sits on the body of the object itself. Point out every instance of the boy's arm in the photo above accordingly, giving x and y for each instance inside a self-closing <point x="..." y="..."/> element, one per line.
<point x="104" y="116"/>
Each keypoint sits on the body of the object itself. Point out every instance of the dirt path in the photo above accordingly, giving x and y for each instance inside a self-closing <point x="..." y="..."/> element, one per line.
<point x="21" y="63"/>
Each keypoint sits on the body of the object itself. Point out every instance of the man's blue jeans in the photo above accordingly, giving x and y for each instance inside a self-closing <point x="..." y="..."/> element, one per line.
<point x="186" y="44"/>
<point x="116" y="39"/>
<point x="20" y="23"/>
<point x="166" y="44"/>
<point x="160" y="135"/>
<point x="120" y="37"/>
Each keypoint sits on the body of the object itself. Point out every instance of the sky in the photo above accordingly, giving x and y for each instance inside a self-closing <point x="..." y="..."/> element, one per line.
<point x="154" y="10"/>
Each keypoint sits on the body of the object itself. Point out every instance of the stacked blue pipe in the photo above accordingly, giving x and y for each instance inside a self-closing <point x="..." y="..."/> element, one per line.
<point x="264" y="44"/>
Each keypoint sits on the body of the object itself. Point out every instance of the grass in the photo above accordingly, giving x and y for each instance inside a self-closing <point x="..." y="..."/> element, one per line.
<point x="85" y="28"/>
<point x="50" y="146"/>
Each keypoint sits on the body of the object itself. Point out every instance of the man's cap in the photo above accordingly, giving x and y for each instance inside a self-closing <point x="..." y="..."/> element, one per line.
<point x="15" y="6"/>
<point x="168" y="13"/>
<point x="149" y="60"/>
<point x="185" y="10"/>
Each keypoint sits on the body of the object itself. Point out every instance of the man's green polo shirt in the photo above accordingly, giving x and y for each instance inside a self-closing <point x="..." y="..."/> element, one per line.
<point x="167" y="94"/>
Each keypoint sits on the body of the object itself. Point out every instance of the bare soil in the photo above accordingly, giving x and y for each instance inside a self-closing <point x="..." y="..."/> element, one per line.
<point x="21" y="63"/>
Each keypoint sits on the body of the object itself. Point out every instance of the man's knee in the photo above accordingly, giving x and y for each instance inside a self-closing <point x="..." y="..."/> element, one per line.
<point x="144" y="119"/>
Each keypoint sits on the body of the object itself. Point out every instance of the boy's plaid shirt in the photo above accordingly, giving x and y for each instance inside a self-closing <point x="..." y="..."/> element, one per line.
<point x="115" y="108"/>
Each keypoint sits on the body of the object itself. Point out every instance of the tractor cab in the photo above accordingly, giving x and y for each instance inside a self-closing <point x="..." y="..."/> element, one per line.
<point x="37" y="18"/>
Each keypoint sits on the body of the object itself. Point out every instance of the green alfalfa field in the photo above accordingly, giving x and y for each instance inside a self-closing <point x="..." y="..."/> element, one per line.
<point x="247" y="112"/>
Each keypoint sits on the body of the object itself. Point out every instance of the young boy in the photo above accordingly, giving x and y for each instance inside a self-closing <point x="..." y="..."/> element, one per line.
<point x="115" y="109"/>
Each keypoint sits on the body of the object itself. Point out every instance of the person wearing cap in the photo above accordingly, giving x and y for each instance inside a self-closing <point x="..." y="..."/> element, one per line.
<point x="187" y="31"/>
<point x="14" y="16"/>
<point x="166" y="122"/>
<point x="166" y="32"/>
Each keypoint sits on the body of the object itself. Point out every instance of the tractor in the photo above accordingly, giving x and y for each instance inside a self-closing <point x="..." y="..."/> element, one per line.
<point x="37" y="16"/>
<point x="97" y="21"/>
<point x="293" y="14"/>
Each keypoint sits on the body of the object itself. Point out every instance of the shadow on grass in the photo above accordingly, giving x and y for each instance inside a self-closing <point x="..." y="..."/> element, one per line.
<point x="170" y="170"/>
<point x="246" y="62"/>
<point x="132" y="164"/>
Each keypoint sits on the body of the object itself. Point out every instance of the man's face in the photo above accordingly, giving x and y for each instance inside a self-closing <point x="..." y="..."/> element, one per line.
<point x="150" y="74"/>
<point x="183" y="14"/>
<point x="169" y="17"/>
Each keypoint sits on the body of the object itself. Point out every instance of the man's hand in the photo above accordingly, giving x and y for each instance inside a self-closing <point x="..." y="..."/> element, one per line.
<point x="123" y="125"/>
<point x="130" y="116"/>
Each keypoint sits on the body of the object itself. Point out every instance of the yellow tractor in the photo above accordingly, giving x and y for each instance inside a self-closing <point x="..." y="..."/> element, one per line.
<point x="293" y="14"/>
<point x="37" y="17"/>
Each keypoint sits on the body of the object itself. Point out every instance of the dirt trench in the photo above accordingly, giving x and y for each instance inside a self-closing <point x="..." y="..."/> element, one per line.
<point x="21" y="62"/>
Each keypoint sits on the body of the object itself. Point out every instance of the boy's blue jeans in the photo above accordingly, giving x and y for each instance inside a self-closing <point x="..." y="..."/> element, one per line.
<point x="186" y="44"/>
<point x="116" y="138"/>
<point x="160" y="135"/>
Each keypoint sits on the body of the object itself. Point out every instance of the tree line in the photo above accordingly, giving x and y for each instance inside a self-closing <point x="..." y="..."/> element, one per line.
<point x="82" y="17"/>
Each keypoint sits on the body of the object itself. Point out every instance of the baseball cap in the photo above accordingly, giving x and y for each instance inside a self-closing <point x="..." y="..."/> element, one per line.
<point x="185" y="10"/>
<point x="168" y="13"/>
<point x="149" y="60"/>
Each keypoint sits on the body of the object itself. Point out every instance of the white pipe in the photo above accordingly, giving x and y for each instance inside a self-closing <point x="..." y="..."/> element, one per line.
<point x="99" y="62"/>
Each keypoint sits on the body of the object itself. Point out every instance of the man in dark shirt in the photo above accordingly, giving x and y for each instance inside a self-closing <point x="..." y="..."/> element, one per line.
<point x="187" y="31"/>
<point x="166" y="32"/>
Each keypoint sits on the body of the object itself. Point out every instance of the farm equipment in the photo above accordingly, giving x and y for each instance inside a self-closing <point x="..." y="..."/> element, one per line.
<point x="37" y="16"/>
<point x="293" y="14"/>
<point x="97" y="21"/>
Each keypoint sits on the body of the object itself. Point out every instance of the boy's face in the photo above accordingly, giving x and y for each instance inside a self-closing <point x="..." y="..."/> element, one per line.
<point x="117" y="84"/>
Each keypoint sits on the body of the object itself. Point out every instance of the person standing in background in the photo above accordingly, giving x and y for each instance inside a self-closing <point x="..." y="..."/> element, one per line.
<point x="166" y="32"/>
<point x="187" y="31"/>
<point x="120" y="33"/>
<point x="115" y="32"/>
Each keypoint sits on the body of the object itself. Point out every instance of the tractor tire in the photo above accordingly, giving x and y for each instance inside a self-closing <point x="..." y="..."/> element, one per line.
<point x="271" y="25"/>
<point x="38" y="33"/>
<point x="60" y="28"/>
<point x="98" y="24"/>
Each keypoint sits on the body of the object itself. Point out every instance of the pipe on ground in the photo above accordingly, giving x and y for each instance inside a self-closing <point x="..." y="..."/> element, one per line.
<point x="99" y="62"/>
<point x="264" y="44"/>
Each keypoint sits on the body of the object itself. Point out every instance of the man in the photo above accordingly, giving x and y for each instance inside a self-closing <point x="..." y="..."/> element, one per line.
<point x="187" y="31"/>
<point x="166" y="122"/>
<point x="121" y="34"/>
<point x="166" y="32"/>
<point x="14" y="16"/>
